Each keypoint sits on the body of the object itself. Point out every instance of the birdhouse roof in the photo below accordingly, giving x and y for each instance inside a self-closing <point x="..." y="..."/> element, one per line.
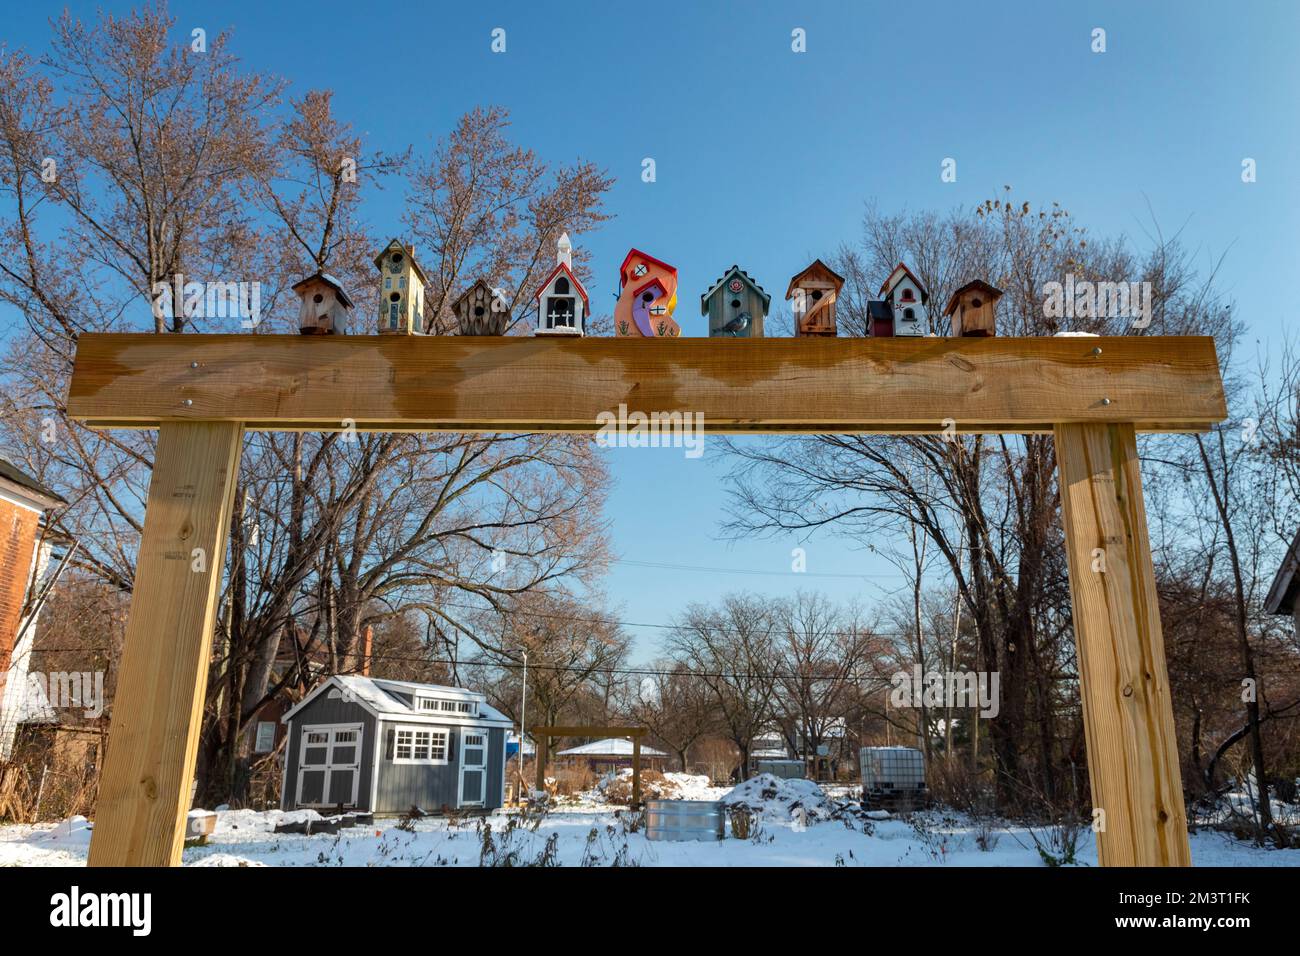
<point x="975" y="285"/>
<point x="744" y="276"/>
<point x="410" y="254"/>
<point x="329" y="280"/>
<point x="577" y="284"/>
<point x="637" y="253"/>
<point x="466" y="294"/>
<point x="817" y="266"/>
<point x="880" y="309"/>
<point x="896" y="276"/>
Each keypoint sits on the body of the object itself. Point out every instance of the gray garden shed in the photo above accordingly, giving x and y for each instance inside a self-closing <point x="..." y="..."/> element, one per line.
<point x="384" y="746"/>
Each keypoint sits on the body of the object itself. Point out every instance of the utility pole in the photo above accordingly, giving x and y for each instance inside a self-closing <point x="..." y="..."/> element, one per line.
<point x="523" y="712"/>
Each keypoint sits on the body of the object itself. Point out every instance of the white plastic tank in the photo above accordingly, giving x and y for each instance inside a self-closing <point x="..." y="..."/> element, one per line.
<point x="892" y="776"/>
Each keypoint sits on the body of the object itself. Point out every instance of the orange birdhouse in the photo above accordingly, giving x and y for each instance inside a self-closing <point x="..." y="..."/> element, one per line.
<point x="647" y="297"/>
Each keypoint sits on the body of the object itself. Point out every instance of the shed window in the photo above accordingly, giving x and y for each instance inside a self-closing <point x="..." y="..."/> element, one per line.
<point x="420" y="745"/>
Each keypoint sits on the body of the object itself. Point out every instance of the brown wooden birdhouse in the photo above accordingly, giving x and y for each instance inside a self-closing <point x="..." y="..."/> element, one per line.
<point x="813" y="293"/>
<point x="401" y="291"/>
<point x="480" y="312"/>
<point x="973" y="308"/>
<point x="325" y="306"/>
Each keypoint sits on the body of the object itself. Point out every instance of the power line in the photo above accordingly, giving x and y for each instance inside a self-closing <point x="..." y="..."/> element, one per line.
<point x="714" y="570"/>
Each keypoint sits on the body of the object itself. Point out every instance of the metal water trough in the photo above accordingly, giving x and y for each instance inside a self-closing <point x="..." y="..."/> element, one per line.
<point x="684" y="820"/>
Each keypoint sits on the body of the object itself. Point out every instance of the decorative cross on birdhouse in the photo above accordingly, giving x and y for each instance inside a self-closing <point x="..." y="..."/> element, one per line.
<point x="736" y="306"/>
<point x="401" y="291"/>
<point x="647" y="297"/>
<point x="325" y="306"/>
<point x="812" y="294"/>
<point x="562" y="306"/>
<point x="905" y="298"/>
<point x="479" y="311"/>
<point x="973" y="308"/>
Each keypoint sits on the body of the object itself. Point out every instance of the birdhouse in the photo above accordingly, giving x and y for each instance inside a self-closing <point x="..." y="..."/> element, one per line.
<point x="813" y="293"/>
<point x="479" y="311"/>
<point x="906" y="298"/>
<point x="736" y="306"/>
<point x="973" y="308"/>
<point x="562" y="305"/>
<point x="325" y="306"/>
<point x="647" y="297"/>
<point x="401" y="291"/>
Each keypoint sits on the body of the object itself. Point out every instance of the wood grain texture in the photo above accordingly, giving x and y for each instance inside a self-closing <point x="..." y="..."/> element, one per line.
<point x="144" y="792"/>
<point x="1127" y="711"/>
<point x="470" y="383"/>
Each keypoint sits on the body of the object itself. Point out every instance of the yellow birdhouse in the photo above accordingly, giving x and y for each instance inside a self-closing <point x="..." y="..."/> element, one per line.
<point x="973" y="308"/>
<point x="401" y="291"/>
<point x="325" y="306"/>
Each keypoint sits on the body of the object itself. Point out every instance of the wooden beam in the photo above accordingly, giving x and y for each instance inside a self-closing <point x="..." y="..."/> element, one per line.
<point x="144" y="793"/>
<point x="516" y="383"/>
<point x="575" y="731"/>
<point x="1127" y="712"/>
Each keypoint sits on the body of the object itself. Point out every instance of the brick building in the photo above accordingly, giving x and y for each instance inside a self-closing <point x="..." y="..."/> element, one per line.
<point x="24" y="553"/>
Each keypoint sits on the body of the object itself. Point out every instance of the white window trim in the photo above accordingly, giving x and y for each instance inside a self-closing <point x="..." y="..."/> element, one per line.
<point x="478" y="768"/>
<point x="422" y="729"/>
<point x="328" y="767"/>
<point x="257" y="737"/>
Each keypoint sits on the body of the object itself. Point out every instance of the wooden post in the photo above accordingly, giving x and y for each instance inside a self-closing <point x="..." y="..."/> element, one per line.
<point x="541" y="746"/>
<point x="636" y="771"/>
<point x="1127" y="712"/>
<point x="144" y="792"/>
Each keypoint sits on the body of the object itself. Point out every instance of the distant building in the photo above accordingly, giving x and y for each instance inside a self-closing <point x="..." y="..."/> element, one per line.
<point x="1284" y="595"/>
<point x="25" y="551"/>
<point x="613" y="753"/>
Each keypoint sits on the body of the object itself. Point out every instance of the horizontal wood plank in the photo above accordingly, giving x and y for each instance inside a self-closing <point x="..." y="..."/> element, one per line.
<point x="452" y="383"/>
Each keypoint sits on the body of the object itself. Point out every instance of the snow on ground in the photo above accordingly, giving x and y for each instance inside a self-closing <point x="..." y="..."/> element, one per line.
<point x="582" y="832"/>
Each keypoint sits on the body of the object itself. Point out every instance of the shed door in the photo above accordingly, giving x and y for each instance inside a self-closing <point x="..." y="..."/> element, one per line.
<point x="329" y="765"/>
<point x="473" y="768"/>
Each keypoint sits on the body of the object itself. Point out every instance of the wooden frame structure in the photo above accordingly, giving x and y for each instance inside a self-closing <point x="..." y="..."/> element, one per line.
<point x="203" y="391"/>
<point x="542" y="741"/>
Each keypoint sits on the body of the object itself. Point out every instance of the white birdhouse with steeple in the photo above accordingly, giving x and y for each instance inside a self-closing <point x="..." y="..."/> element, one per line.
<point x="562" y="305"/>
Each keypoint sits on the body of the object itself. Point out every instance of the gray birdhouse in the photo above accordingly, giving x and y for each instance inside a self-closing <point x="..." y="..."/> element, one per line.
<point x="325" y="306"/>
<point x="480" y="312"/>
<point x="736" y="306"/>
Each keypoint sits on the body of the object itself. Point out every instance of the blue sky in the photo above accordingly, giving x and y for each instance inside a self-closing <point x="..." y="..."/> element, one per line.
<point x="765" y="157"/>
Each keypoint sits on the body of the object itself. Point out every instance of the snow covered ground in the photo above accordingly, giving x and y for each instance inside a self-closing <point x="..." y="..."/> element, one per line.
<point x="585" y="831"/>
